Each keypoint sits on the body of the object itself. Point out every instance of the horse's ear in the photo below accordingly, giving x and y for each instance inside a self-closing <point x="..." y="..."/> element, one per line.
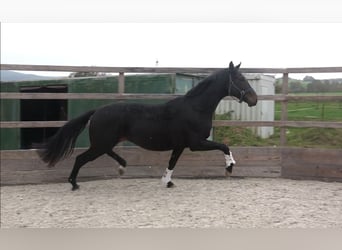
<point x="231" y="66"/>
<point x="238" y="66"/>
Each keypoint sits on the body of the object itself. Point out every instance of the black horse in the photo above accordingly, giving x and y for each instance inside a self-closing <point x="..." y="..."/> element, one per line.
<point x="183" y="122"/>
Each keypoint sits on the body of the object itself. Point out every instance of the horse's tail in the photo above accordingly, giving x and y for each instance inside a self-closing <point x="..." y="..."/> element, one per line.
<point x="62" y="144"/>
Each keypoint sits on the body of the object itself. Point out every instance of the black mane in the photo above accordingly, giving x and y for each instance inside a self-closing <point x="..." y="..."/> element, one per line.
<point x="205" y="83"/>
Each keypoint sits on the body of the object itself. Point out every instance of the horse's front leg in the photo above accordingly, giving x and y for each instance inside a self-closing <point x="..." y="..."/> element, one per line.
<point x="166" y="178"/>
<point x="230" y="162"/>
<point x="205" y="145"/>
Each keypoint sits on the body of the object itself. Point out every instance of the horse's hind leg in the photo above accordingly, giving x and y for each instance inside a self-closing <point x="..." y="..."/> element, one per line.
<point x="81" y="160"/>
<point x="120" y="160"/>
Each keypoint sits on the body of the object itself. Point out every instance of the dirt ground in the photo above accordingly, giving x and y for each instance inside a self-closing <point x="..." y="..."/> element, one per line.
<point x="193" y="203"/>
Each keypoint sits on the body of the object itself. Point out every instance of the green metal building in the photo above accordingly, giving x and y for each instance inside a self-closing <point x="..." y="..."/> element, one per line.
<point x="55" y="110"/>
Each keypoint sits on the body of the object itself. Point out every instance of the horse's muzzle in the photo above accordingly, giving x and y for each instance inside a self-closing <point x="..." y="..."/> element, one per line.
<point x="251" y="98"/>
<point x="253" y="103"/>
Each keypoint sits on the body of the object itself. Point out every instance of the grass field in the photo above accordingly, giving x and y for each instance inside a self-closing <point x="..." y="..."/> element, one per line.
<point x="301" y="137"/>
<point x="311" y="111"/>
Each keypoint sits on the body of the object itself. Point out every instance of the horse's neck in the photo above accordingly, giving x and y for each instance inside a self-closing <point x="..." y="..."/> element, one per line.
<point x="209" y="99"/>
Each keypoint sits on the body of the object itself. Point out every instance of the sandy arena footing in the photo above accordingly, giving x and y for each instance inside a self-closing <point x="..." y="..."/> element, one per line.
<point x="193" y="203"/>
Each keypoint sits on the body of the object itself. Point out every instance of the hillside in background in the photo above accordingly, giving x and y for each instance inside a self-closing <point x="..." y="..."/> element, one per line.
<point x="310" y="85"/>
<point x="13" y="76"/>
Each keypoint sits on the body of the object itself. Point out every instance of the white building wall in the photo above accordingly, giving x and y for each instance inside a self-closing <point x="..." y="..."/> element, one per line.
<point x="263" y="111"/>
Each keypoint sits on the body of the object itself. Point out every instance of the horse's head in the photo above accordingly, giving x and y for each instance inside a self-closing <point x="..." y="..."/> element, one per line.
<point x="239" y="87"/>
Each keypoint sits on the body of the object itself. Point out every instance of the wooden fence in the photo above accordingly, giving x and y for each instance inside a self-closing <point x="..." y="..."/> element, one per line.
<point x="265" y="162"/>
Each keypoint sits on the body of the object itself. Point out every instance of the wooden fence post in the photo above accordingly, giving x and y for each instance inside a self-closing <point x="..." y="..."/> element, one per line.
<point x="121" y="86"/>
<point x="284" y="116"/>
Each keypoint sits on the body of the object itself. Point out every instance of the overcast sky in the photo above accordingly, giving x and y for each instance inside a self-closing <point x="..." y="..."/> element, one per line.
<point x="173" y="44"/>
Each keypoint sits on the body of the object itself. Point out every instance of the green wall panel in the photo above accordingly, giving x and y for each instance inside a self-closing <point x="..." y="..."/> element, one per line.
<point x="141" y="83"/>
<point x="9" y="111"/>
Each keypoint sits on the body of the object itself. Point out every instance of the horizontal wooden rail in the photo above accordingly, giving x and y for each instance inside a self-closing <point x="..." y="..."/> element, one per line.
<point x="32" y="124"/>
<point x="313" y="98"/>
<point x="89" y="96"/>
<point x="110" y="96"/>
<point x="105" y="69"/>
<point x="216" y="123"/>
<point x="293" y="124"/>
<point x="60" y="68"/>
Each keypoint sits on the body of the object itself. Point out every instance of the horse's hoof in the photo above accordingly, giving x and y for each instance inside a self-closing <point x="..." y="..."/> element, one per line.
<point x="229" y="170"/>
<point x="121" y="170"/>
<point x="170" y="184"/>
<point x="75" y="187"/>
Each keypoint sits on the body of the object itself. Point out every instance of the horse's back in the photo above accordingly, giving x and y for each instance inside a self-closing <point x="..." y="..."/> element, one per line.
<point x="151" y="126"/>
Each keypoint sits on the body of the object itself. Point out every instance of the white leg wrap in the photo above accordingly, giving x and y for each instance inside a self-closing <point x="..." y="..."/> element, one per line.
<point x="167" y="176"/>
<point x="229" y="160"/>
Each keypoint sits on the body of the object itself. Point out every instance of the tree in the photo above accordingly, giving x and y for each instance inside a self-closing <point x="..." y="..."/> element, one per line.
<point x="86" y="74"/>
<point x="308" y="79"/>
<point x="296" y="87"/>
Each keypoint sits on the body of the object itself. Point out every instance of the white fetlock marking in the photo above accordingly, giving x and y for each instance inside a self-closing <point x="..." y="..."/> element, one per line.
<point x="229" y="160"/>
<point x="167" y="176"/>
